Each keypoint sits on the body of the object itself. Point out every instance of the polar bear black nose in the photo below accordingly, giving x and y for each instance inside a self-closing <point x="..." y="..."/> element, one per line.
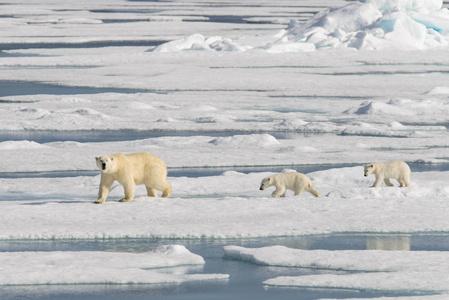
<point x="103" y="166"/>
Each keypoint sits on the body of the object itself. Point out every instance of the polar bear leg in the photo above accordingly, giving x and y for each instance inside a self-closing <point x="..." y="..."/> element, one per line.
<point x="166" y="191"/>
<point x="314" y="191"/>
<point x="299" y="191"/>
<point x="407" y="180"/>
<point x="129" y="188"/>
<point x="164" y="186"/>
<point x="151" y="192"/>
<point x="378" y="181"/>
<point x="280" y="191"/>
<point x="105" y="185"/>
<point x="404" y="181"/>
<point x="387" y="182"/>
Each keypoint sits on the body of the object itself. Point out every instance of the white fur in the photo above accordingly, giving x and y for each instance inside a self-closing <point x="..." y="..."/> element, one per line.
<point x="294" y="181"/>
<point x="132" y="169"/>
<point x="398" y="170"/>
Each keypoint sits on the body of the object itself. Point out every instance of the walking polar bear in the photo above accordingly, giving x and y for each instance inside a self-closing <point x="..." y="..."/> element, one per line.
<point x="398" y="170"/>
<point x="294" y="181"/>
<point x="132" y="169"/>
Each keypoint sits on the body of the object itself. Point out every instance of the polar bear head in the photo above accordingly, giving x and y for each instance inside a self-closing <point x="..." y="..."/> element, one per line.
<point x="266" y="182"/>
<point x="106" y="164"/>
<point x="368" y="169"/>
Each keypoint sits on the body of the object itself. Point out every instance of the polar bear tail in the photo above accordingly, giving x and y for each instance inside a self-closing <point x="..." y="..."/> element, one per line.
<point x="167" y="190"/>
<point x="313" y="190"/>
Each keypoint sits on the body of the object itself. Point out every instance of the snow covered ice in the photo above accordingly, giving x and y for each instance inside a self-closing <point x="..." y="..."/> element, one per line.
<point x="369" y="270"/>
<point x="65" y="267"/>
<point x="233" y="93"/>
<point x="347" y="205"/>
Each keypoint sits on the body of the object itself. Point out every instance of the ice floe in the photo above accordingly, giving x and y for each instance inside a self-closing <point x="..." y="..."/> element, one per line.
<point x="222" y="206"/>
<point x="368" y="270"/>
<point x="102" y="267"/>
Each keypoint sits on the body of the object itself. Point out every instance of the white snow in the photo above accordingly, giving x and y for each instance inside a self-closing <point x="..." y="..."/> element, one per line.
<point x="166" y="264"/>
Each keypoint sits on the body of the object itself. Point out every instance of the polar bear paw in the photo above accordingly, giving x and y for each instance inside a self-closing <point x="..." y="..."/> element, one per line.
<point x="125" y="200"/>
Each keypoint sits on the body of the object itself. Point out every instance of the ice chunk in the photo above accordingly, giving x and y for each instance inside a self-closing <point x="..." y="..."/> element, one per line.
<point x="367" y="25"/>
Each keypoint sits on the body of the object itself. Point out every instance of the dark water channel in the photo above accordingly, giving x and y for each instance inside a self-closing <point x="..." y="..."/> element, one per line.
<point x="245" y="278"/>
<point x="17" y="88"/>
<point x="92" y="136"/>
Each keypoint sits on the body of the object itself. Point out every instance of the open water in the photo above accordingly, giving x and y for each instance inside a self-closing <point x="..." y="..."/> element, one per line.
<point x="245" y="278"/>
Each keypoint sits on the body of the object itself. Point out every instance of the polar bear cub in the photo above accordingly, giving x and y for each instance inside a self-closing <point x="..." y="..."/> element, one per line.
<point x="398" y="170"/>
<point x="294" y="181"/>
<point x="129" y="170"/>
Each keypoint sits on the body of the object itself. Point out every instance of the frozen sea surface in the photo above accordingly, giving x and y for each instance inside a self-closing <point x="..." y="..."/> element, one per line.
<point x="226" y="93"/>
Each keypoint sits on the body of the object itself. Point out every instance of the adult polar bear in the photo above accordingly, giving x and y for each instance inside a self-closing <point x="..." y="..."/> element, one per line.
<point x="294" y="181"/>
<point x="396" y="169"/>
<point x="132" y="169"/>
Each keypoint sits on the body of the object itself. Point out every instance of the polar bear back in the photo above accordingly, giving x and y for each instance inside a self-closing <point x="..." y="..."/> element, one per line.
<point x="291" y="180"/>
<point x="146" y="167"/>
<point x="392" y="169"/>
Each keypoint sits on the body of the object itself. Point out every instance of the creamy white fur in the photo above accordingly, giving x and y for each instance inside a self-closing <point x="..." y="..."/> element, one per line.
<point x="294" y="181"/>
<point x="385" y="171"/>
<point x="132" y="169"/>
